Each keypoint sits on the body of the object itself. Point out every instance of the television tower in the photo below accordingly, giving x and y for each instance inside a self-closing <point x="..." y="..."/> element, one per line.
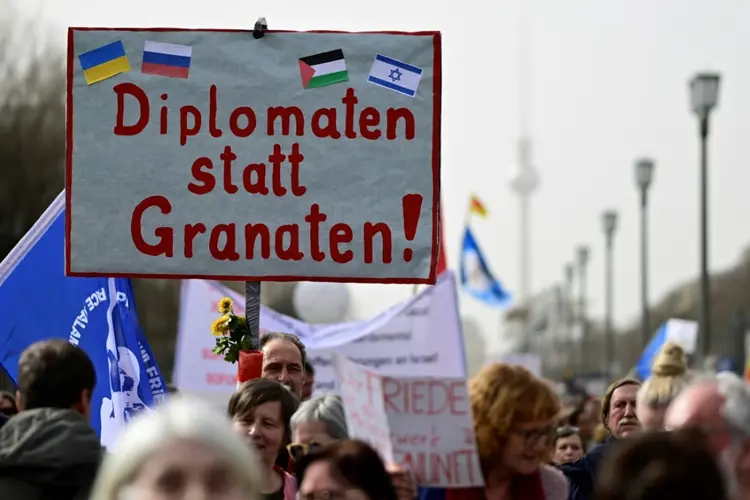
<point x="523" y="177"/>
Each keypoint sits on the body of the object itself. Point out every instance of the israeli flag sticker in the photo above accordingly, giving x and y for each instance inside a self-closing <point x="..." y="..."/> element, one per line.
<point x="395" y="75"/>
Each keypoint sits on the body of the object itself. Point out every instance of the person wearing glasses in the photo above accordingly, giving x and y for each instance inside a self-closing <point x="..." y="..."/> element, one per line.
<point x="320" y="421"/>
<point x="316" y="423"/>
<point x="567" y="445"/>
<point x="515" y="414"/>
<point x="260" y="411"/>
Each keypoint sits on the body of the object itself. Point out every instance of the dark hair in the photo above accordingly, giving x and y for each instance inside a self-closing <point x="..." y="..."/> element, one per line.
<point x="289" y="337"/>
<point x="355" y="463"/>
<point x="575" y="416"/>
<point x="10" y="397"/>
<point x="256" y="392"/>
<point x="309" y="368"/>
<point x="53" y="374"/>
<point x="659" y="465"/>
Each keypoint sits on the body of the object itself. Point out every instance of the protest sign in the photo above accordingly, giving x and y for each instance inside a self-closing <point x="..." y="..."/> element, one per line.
<point x="420" y="336"/>
<point x="428" y="420"/>
<point x="361" y="393"/>
<point x="300" y="156"/>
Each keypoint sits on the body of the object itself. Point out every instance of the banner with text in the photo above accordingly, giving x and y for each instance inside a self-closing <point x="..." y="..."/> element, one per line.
<point x="299" y="156"/>
<point x="421" y="423"/>
<point x="420" y="337"/>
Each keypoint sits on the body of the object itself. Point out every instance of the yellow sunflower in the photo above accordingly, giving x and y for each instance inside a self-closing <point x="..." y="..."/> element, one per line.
<point x="220" y="325"/>
<point x="225" y="305"/>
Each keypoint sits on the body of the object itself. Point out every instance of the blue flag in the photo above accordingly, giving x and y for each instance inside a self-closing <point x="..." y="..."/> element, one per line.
<point x="643" y="365"/>
<point x="476" y="277"/>
<point x="682" y="332"/>
<point x="39" y="302"/>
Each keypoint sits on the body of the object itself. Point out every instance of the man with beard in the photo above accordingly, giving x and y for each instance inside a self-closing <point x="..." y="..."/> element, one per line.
<point x="720" y="405"/>
<point x="620" y="421"/>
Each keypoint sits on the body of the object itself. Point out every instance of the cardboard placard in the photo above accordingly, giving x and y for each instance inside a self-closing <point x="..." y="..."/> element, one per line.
<point x="300" y="156"/>
<point x="428" y="420"/>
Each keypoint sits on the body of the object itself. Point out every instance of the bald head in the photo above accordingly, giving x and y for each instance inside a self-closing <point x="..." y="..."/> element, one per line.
<point x="697" y="406"/>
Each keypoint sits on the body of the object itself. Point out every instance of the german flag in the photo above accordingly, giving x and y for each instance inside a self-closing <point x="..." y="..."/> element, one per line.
<point x="476" y="207"/>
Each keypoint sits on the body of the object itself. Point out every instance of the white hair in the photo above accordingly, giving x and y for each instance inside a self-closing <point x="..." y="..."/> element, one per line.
<point x="328" y="409"/>
<point x="736" y="410"/>
<point x="177" y="419"/>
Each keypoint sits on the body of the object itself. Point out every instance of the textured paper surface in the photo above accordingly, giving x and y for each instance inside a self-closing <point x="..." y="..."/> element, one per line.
<point x="354" y="181"/>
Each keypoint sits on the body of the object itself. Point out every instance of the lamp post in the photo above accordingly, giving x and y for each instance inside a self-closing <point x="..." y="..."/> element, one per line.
<point x="609" y="224"/>
<point x="582" y="259"/>
<point x="704" y="95"/>
<point x="644" y="173"/>
<point x="569" y="310"/>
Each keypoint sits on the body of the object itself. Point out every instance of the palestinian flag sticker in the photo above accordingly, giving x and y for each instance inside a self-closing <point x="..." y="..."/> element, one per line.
<point x="326" y="68"/>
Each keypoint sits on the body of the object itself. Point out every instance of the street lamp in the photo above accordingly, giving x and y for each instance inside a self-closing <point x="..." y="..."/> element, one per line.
<point x="582" y="259"/>
<point x="704" y="95"/>
<point x="568" y="313"/>
<point x="609" y="224"/>
<point x="644" y="173"/>
<point x="570" y="270"/>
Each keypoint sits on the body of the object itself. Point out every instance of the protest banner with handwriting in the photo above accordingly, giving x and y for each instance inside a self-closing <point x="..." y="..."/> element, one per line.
<point x="206" y="153"/>
<point x="428" y="420"/>
<point x="418" y="337"/>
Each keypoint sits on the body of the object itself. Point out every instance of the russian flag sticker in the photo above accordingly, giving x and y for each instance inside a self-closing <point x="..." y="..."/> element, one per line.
<point x="166" y="59"/>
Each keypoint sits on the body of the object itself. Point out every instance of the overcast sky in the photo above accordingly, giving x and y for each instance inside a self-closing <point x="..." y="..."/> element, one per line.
<point x="609" y="84"/>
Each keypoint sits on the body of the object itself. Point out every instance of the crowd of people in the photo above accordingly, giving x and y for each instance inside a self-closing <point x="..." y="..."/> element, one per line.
<point x="677" y="434"/>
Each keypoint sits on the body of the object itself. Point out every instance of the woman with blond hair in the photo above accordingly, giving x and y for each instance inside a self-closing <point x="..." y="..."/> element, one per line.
<point x="669" y="375"/>
<point x="182" y="450"/>
<point x="515" y="414"/>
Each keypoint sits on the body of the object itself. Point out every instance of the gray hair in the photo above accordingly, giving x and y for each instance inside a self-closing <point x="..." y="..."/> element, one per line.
<point x="328" y="409"/>
<point x="177" y="419"/>
<point x="736" y="410"/>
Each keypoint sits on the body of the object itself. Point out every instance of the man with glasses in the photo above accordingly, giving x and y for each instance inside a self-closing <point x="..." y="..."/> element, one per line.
<point x="720" y="406"/>
<point x="619" y="418"/>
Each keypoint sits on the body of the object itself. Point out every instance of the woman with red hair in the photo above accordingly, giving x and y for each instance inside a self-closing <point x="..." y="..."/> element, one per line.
<point x="515" y="415"/>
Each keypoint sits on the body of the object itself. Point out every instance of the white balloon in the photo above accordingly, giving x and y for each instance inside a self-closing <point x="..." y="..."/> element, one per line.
<point x="320" y="303"/>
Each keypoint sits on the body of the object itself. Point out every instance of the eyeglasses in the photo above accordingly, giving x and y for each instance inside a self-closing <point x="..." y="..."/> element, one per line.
<point x="299" y="450"/>
<point x="532" y="436"/>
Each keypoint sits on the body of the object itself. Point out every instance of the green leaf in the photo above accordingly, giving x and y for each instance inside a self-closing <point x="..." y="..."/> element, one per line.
<point x="245" y="344"/>
<point x="232" y="355"/>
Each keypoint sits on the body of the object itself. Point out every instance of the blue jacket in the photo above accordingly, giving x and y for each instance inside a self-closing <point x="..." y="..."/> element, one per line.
<point x="430" y="493"/>
<point x="581" y="474"/>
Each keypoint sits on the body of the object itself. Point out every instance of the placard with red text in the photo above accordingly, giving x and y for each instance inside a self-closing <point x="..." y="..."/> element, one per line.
<point x="297" y="156"/>
<point x="428" y="420"/>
